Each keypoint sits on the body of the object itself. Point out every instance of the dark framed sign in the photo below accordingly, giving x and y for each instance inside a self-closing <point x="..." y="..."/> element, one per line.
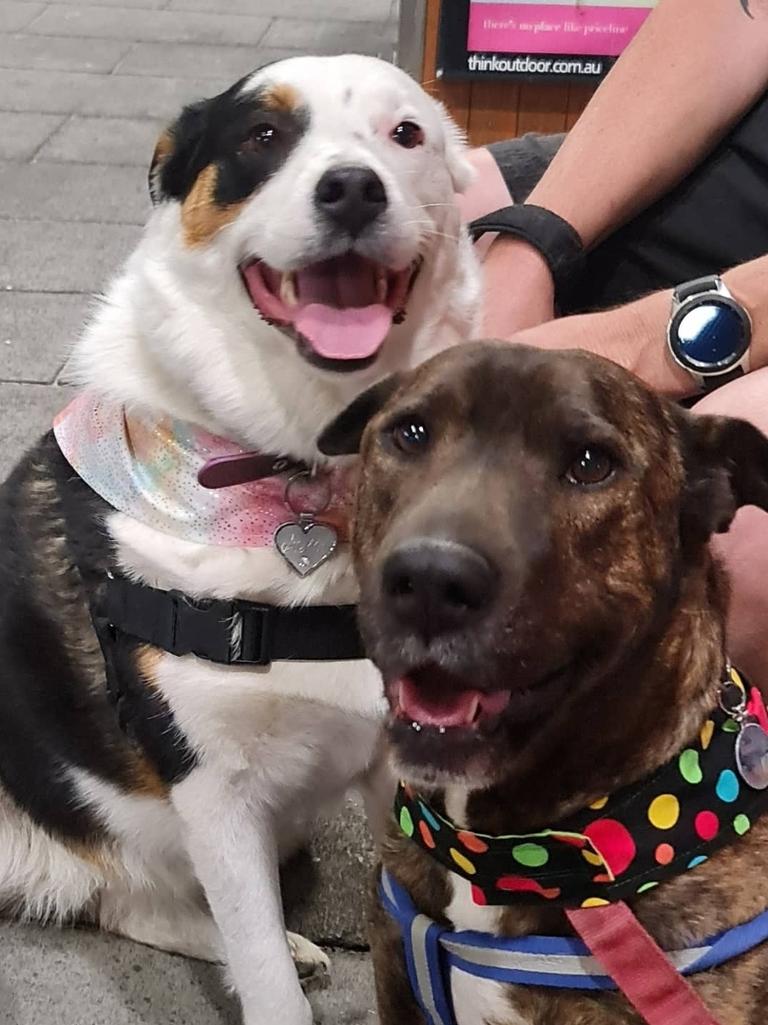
<point x="535" y="39"/>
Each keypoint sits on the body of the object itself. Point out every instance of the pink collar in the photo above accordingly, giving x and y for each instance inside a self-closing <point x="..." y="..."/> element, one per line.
<point x="149" y="467"/>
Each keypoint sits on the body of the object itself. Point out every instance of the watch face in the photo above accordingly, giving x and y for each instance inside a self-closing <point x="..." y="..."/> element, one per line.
<point x="710" y="334"/>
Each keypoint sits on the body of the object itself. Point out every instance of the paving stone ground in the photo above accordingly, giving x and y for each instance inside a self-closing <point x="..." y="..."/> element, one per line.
<point x="84" y="89"/>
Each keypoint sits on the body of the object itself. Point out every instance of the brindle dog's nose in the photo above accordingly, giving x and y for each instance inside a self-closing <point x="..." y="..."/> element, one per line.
<point x="437" y="586"/>
<point x="351" y="197"/>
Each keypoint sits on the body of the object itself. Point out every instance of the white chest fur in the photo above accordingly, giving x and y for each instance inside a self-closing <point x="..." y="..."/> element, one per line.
<point x="475" y="1001"/>
<point x="304" y="725"/>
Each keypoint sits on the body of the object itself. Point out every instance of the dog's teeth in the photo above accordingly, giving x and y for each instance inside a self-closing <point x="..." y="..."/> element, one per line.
<point x="288" y="289"/>
<point x="416" y="726"/>
<point x="442" y="729"/>
<point x="382" y="285"/>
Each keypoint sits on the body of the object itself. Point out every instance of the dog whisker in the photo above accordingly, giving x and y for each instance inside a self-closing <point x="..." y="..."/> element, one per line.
<point x="430" y="232"/>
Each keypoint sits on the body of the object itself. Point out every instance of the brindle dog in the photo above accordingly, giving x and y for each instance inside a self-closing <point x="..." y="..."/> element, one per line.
<point x="540" y="521"/>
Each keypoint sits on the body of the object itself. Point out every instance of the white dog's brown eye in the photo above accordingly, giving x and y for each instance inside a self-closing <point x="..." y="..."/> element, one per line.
<point x="408" y="134"/>
<point x="410" y="435"/>
<point x="592" y="465"/>
<point x="260" y="136"/>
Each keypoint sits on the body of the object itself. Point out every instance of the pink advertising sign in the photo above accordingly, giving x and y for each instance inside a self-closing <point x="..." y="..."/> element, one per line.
<point x="532" y="38"/>
<point x="586" y="27"/>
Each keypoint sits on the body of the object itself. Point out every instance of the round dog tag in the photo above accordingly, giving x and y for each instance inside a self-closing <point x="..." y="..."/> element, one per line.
<point x="752" y="755"/>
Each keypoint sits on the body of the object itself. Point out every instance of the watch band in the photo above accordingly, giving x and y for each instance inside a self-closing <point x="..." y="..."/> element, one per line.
<point x="709" y="384"/>
<point x="709" y="283"/>
<point x="558" y="242"/>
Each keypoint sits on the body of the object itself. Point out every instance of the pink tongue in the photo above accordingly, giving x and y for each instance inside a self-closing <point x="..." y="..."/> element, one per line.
<point x="454" y="708"/>
<point x="354" y="332"/>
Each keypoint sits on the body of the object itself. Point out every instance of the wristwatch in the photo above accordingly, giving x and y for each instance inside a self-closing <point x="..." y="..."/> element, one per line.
<point x="709" y="332"/>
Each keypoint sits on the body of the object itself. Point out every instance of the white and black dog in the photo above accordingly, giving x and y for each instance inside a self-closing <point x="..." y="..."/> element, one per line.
<point x="304" y="243"/>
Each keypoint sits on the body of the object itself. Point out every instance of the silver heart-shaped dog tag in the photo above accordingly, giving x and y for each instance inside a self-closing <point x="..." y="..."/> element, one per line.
<point x="305" y="545"/>
<point x="752" y="755"/>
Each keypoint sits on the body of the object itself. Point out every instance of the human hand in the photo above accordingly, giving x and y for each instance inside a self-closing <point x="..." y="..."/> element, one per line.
<point x="518" y="289"/>
<point x="634" y="336"/>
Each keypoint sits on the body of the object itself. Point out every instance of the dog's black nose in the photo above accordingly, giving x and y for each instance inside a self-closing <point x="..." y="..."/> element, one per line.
<point x="437" y="586"/>
<point x="351" y="197"/>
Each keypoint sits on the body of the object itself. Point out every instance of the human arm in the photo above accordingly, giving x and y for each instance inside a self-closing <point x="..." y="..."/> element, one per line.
<point x="688" y="76"/>
<point x="634" y="335"/>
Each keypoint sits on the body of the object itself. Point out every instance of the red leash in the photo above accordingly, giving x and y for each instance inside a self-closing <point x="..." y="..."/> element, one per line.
<point x="638" y="966"/>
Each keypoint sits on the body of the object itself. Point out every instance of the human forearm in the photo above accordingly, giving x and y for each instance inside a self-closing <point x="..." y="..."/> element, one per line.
<point x="689" y="74"/>
<point x="635" y="335"/>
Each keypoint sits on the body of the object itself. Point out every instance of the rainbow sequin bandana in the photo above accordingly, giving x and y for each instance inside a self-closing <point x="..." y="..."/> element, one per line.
<point x="619" y="847"/>
<point x="147" y="467"/>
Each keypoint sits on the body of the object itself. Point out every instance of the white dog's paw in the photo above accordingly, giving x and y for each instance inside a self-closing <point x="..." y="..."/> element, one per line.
<point x="312" y="964"/>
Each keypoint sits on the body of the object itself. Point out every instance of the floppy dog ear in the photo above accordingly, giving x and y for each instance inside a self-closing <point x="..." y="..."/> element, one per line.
<point x="176" y="161"/>
<point x="343" y="435"/>
<point x="726" y="464"/>
<point x="461" y="171"/>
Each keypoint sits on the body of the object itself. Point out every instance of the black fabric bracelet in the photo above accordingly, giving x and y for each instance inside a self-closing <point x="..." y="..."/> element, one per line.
<point x="557" y="241"/>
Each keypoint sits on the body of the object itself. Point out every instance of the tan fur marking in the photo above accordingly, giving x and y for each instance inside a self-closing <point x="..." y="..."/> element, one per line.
<point x="282" y="97"/>
<point x="201" y="216"/>
<point x="145" y="780"/>
<point x="163" y="148"/>
<point x="94" y="852"/>
<point x="147" y="662"/>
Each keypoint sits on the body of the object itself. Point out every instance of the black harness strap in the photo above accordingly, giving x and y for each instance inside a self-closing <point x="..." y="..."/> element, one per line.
<point x="231" y="632"/>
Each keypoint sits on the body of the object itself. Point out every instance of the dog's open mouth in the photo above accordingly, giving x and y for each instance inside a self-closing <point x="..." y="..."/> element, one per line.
<point x="441" y="724"/>
<point x="429" y="697"/>
<point x="342" y="309"/>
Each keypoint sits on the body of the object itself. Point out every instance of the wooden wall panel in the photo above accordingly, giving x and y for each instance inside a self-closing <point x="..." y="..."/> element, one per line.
<point x="578" y="97"/>
<point x="543" y="108"/>
<point x="494" y="109"/>
<point x="455" y="95"/>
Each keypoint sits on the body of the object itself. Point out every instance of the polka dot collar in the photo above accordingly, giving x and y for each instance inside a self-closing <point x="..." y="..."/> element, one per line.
<point x="622" y="845"/>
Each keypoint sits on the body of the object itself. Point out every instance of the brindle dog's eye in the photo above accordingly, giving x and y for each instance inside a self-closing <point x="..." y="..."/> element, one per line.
<point x="260" y="136"/>
<point x="410" y="435"/>
<point x="593" y="465"/>
<point x="408" y="134"/>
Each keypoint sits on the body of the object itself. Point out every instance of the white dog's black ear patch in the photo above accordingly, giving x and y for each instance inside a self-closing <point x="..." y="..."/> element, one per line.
<point x="174" y="166"/>
<point x="220" y="151"/>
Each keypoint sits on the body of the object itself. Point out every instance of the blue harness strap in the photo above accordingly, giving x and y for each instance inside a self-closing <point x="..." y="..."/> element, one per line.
<point x="423" y="953"/>
<point x="432" y="952"/>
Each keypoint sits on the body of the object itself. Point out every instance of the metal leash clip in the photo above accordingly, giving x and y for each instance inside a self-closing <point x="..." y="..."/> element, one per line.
<point x="751" y="750"/>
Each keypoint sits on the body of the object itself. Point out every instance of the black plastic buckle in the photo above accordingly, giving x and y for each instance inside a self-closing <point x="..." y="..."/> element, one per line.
<point x="229" y="632"/>
<point x="206" y="628"/>
<point x="250" y="634"/>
